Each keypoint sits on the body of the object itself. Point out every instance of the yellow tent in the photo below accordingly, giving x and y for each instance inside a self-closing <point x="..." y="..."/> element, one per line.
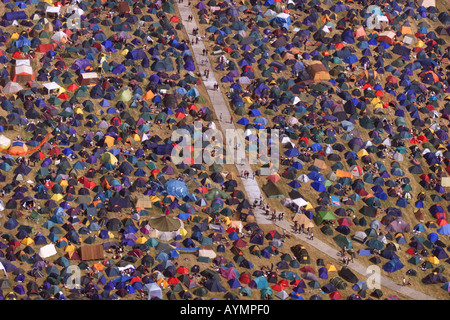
<point x="183" y="232"/>
<point x="69" y="249"/>
<point x="57" y="197"/>
<point x="162" y="283"/>
<point x="133" y="138"/>
<point x="375" y="100"/>
<point x="109" y="157"/>
<point x="15" y="36"/>
<point x="433" y="260"/>
<point x="64" y="183"/>
<point x="141" y="240"/>
<point x="420" y="44"/>
<point x="124" y="52"/>
<point x="362" y="153"/>
<point x="154" y="199"/>
<point x="226" y="221"/>
<point x="27" y="241"/>
<point x="78" y="110"/>
<point x="109" y="140"/>
<point x="331" y="267"/>
<point x="248" y="100"/>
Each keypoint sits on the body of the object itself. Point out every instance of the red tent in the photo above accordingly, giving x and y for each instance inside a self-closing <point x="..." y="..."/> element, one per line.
<point x="245" y="278"/>
<point x="335" y="295"/>
<point x="239" y="243"/>
<point x="43" y="48"/>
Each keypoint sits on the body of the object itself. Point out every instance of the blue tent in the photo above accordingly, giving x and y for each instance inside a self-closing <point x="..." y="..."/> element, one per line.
<point x="318" y="186"/>
<point x="347" y="36"/>
<point x="292" y="152"/>
<point x="176" y="188"/>
<point x="393" y="265"/>
<point x="433" y="237"/>
<point x="444" y="230"/>
<point x="17" y="15"/>
<point x="243" y="121"/>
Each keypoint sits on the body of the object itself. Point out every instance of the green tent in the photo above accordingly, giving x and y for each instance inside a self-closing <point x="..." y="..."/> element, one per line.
<point x="216" y="193"/>
<point x="375" y="244"/>
<point x="324" y="216"/>
<point x="272" y="190"/>
<point x="342" y="241"/>
<point x="125" y="95"/>
<point x="168" y="7"/>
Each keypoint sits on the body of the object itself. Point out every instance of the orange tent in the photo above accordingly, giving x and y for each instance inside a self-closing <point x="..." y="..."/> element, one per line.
<point x="406" y="30"/>
<point x="149" y="95"/>
<point x="98" y="266"/>
<point x="343" y="174"/>
<point x="274" y="177"/>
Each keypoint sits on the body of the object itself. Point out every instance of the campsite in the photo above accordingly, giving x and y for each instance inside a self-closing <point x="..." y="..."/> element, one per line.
<point x="92" y="91"/>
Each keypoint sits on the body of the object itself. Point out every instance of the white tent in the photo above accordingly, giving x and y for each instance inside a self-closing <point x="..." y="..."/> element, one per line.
<point x="375" y="21"/>
<point x="300" y="202"/>
<point x="59" y="36"/>
<point x="154" y="291"/>
<point x="5" y="142"/>
<point x="208" y="253"/>
<point x="244" y="80"/>
<point x="2" y="267"/>
<point x="445" y="181"/>
<point x="53" y="10"/>
<point x="12" y="87"/>
<point x="360" y="236"/>
<point x="282" y="295"/>
<point x="270" y="13"/>
<point x="409" y="39"/>
<point x="23" y="62"/>
<point x="427" y="3"/>
<point x="292" y="121"/>
<point x="303" y="178"/>
<point x="50" y="86"/>
<point x="47" y="251"/>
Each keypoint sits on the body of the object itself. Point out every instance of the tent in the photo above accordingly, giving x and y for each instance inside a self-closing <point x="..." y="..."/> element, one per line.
<point x="318" y="71"/>
<point x="272" y="190"/>
<point x="426" y="3"/>
<point x="47" y="251"/>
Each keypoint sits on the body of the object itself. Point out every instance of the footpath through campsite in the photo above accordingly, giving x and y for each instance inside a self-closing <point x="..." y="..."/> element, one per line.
<point x="221" y="110"/>
<point x="250" y="185"/>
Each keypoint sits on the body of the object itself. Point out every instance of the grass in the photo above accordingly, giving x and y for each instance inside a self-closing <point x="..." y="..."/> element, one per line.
<point x="189" y="260"/>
